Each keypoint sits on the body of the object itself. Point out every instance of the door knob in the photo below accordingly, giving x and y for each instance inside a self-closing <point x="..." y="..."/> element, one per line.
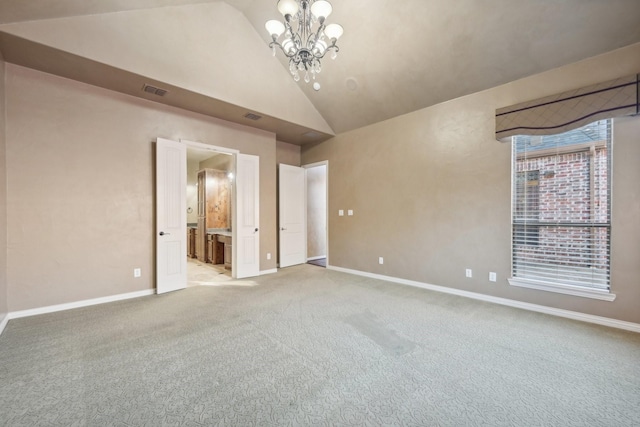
<point x="283" y="229"/>
<point x="256" y="230"/>
<point x="162" y="233"/>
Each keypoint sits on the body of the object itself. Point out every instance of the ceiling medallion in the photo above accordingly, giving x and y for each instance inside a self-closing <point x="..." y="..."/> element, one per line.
<point x="307" y="43"/>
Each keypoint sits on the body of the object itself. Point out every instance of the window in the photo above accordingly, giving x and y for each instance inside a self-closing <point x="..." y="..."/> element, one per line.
<point x="526" y="207"/>
<point x="561" y="211"/>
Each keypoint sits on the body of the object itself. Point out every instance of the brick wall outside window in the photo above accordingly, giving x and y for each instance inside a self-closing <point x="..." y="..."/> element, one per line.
<point x="566" y="194"/>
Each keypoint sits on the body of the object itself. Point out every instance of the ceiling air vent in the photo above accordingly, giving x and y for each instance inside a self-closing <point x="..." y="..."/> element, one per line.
<point x="252" y="116"/>
<point x="154" y="90"/>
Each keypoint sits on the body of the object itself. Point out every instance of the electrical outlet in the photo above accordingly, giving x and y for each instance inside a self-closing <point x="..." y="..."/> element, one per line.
<point x="137" y="272"/>
<point x="492" y="276"/>
<point x="350" y="212"/>
<point x="269" y="255"/>
<point x="380" y="260"/>
<point x="468" y="272"/>
<point x="341" y="212"/>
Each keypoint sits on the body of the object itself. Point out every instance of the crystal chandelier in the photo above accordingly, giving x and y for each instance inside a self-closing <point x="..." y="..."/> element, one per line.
<point x="310" y="41"/>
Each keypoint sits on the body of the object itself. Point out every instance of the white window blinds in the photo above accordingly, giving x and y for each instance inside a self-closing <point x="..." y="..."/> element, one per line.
<point x="561" y="207"/>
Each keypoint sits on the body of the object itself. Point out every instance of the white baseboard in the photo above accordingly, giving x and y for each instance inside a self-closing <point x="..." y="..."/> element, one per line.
<point x="273" y="270"/>
<point x="78" y="304"/>
<point x="313" y="258"/>
<point x="590" y="318"/>
<point x="3" y="322"/>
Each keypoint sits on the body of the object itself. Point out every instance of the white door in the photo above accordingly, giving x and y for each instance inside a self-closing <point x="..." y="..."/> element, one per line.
<point x="246" y="227"/>
<point x="171" y="216"/>
<point x="293" y="205"/>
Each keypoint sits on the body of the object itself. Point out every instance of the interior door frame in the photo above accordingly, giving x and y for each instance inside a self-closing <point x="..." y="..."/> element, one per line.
<point x="225" y="150"/>
<point x="310" y="166"/>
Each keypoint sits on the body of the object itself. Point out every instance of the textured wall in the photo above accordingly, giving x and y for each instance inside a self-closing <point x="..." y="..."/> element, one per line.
<point x="317" y="211"/>
<point x="431" y="193"/>
<point x="192" y="191"/>
<point x="80" y="200"/>
<point x="220" y="162"/>
<point x="3" y="199"/>
<point x="288" y="154"/>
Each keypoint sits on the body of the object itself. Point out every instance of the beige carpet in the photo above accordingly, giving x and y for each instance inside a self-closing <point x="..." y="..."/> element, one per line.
<point x="311" y="346"/>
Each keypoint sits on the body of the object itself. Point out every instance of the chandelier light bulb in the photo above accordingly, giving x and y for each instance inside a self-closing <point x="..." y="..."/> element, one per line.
<point x="288" y="46"/>
<point x="274" y="28"/>
<point x="320" y="48"/>
<point x="288" y="7"/>
<point x="334" y="31"/>
<point x="321" y="9"/>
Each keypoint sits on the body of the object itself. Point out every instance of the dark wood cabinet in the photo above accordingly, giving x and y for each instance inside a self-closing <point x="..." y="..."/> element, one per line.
<point x="191" y="242"/>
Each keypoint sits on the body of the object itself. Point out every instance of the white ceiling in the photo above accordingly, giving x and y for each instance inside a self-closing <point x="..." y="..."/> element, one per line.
<point x="400" y="56"/>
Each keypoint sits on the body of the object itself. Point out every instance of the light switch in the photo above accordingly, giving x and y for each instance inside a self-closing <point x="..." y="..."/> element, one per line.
<point x="350" y="212"/>
<point x="341" y="212"/>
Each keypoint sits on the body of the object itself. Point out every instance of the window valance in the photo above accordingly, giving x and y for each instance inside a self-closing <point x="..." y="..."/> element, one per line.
<point x="570" y="110"/>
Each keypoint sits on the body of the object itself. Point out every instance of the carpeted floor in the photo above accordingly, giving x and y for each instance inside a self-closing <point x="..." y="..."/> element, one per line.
<point x="311" y="346"/>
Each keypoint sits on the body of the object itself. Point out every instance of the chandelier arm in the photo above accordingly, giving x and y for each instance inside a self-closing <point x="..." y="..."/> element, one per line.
<point x="275" y="43"/>
<point x="295" y="37"/>
<point x="318" y="33"/>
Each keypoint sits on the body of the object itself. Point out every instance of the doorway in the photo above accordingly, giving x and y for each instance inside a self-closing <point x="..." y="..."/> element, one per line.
<point x="210" y="175"/>
<point x="243" y="243"/>
<point x="317" y="213"/>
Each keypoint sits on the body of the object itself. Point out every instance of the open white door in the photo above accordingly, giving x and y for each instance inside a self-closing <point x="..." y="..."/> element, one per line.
<point x="293" y="224"/>
<point x="171" y="216"/>
<point x="246" y="226"/>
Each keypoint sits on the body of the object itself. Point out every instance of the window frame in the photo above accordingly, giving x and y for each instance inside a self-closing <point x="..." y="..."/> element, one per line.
<point x="552" y="286"/>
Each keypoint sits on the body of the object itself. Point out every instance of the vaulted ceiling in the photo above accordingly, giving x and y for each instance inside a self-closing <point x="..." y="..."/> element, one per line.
<point x="395" y="56"/>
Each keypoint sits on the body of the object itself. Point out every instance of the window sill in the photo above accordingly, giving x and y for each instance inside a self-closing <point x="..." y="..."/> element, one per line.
<point x="562" y="289"/>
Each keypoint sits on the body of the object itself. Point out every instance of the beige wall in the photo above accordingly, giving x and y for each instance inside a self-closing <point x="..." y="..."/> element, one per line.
<point x="431" y="193"/>
<point x="3" y="199"/>
<point x="192" y="191"/>
<point x="80" y="202"/>
<point x="220" y="162"/>
<point x="289" y="154"/>
<point x="317" y="211"/>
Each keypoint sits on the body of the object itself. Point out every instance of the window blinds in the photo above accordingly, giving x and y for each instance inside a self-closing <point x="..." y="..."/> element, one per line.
<point x="561" y="200"/>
